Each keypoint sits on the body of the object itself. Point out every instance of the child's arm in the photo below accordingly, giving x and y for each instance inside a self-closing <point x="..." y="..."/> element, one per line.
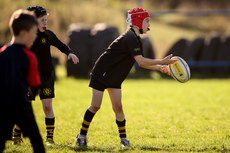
<point x="162" y="68"/>
<point x="153" y="64"/>
<point x="146" y="62"/>
<point x="57" y="43"/>
<point x="61" y="46"/>
<point x="33" y="76"/>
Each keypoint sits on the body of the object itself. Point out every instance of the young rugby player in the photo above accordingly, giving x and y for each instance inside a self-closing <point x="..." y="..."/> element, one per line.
<point x="113" y="66"/>
<point x="41" y="48"/>
<point x="18" y="71"/>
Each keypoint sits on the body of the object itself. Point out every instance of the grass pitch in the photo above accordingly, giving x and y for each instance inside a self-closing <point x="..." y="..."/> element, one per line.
<point x="162" y="116"/>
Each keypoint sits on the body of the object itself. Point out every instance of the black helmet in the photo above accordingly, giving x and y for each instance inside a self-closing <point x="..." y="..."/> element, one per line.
<point x="38" y="10"/>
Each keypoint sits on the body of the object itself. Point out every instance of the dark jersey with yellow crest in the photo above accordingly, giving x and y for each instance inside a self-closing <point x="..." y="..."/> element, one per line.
<point x="41" y="48"/>
<point x="113" y="66"/>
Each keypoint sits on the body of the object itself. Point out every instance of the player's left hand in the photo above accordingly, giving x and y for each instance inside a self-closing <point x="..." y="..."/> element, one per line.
<point x="73" y="57"/>
<point x="165" y="69"/>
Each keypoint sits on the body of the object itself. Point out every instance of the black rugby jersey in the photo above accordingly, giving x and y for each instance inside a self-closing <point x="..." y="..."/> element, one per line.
<point x="18" y="71"/>
<point x="113" y="66"/>
<point x="41" y="48"/>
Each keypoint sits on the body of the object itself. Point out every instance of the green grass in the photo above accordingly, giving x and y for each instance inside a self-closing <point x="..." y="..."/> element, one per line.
<point x="162" y="115"/>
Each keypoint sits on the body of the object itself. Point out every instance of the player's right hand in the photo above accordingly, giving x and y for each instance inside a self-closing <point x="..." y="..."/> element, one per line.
<point x="168" y="60"/>
<point x="73" y="57"/>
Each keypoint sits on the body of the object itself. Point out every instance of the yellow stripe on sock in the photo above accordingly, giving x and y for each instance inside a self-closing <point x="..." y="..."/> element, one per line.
<point x="86" y="122"/>
<point x="121" y="128"/>
<point x="49" y="135"/>
<point x="123" y="133"/>
<point x="50" y="126"/>
<point x="16" y="133"/>
<point x="84" y="128"/>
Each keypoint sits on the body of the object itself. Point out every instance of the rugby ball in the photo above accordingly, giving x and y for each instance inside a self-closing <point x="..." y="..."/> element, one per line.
<point x="180" y="70"/>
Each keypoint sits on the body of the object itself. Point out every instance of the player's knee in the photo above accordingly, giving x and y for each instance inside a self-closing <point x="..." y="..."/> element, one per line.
<point x="47" y="109"/>
<point x="94" y="108"/>
<point x="117" y="108"/>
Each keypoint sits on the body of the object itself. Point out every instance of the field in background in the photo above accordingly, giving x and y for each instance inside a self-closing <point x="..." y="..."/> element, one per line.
<point x="165" y="30"/>
<point x="162" y="115"/>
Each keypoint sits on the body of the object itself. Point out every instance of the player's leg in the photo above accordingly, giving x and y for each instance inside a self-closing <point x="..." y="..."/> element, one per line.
<point x="47" y="105"/>
<point x="7" y="124"/>
<point x="89" y="114"/>
<point x="3" y="135"/>
<point x="27" y="122"/>
<point x="96" y="100"/>
<point x="2" y="144"/>
<point x="115" y="97"/>
<point x="17" y="135"/>
<point x="46" y="96"/>
<point x="35" y="138"/>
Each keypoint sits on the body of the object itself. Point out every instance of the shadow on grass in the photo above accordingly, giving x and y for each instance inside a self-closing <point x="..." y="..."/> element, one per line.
<point x="214" y="149"/>
<point x="173" y="148"/>
<point x="89" y="148"/>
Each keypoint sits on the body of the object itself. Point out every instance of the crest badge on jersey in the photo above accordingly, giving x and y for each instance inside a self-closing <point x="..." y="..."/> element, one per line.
<point x="43" y="40"/>
<point x="137" y="49"/>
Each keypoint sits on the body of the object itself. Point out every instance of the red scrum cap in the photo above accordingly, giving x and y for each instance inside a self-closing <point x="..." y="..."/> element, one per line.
<point x="136" y="17"/>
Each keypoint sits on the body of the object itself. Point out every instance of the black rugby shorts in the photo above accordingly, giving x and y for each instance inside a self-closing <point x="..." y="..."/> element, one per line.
<point x="100" y="85"/>
<point x="47" y="86"/>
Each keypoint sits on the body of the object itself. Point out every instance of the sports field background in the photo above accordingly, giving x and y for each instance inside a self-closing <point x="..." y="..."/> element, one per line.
<point x="162" y="115"/>
<point x="165" y="30"/>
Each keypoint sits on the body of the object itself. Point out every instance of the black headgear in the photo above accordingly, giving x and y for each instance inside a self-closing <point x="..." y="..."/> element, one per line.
<point x="38" y="10"/>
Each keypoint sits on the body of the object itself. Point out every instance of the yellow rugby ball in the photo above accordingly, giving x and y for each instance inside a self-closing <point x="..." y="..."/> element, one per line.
<point x="180" y="70"/>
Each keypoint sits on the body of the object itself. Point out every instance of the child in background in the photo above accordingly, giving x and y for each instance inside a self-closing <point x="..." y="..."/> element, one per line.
<point x="113" y="66"/>
<point x="18" y="72"/>
<point x="41" y="48"/>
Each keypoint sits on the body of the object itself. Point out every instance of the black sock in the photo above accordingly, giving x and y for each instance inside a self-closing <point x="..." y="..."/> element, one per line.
<point x="121" y="128"/>
<point x="50" y="127"/>
<point x="86" y="122"/>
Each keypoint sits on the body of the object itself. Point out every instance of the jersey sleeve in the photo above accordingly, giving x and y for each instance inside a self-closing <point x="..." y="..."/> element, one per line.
<point x="57" y="43"/>
<point x="133" y="46"/>
<point x="33" y="77"/>
<point x="3" y="48"/>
